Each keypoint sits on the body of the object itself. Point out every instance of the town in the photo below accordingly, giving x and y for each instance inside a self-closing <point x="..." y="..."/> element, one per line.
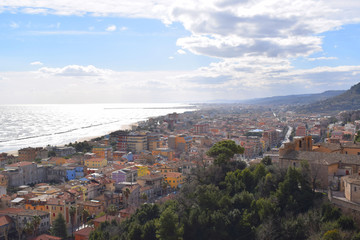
<point x="84" y="184"/>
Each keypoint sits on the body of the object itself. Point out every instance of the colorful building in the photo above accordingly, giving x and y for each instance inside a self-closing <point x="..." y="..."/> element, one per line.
<point x="95" y="162"/>
<point x="103" y="152"/>
<point x="165" y="152"/>
<point x="142" y="171"/>
<point x="180" y="143"/>
<point x="174" y="179"/>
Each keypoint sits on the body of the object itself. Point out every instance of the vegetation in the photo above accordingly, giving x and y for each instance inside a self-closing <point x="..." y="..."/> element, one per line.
<point x="231" y="201"/>
<point x="59" y="227"/>
<point x="81" y="146"/>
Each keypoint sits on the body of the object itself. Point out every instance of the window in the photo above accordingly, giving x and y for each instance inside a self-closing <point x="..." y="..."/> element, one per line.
<point x="60" y="208"/>
<point x="355" y="189"/>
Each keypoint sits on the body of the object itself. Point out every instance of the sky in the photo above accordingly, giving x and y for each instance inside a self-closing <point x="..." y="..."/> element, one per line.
<point x="109" y="51"/>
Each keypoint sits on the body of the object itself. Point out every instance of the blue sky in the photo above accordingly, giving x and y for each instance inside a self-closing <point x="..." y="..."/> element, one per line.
<point x="181" y="51"/>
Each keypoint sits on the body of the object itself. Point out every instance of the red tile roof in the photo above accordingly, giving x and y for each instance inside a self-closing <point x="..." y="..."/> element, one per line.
<point x="84" y="232"/>
<point x="5" y="220"/>
<point x="20" y="164"/>
<point x="46" y="237"/>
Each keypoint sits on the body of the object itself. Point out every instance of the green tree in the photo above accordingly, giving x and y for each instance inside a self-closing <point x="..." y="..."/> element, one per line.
<point x="126" y="194"/>
<point x="266" y="161"/>
<point x="168" y="226"/>
<point x="332" y="235"/>
<point x="72" y="213"/>
<point x="59" y="227"/>
<point x="223" y="151"/>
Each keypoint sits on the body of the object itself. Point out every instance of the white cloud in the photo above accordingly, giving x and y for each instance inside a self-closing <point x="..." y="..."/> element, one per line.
<point x="252" y="41"/>
<point x="75" y="71"/>
<point x="14" y="25"/>
<point x="181" y="52"/>
<point x="171" y="57"/>
<point x="123" y="28"/>
<point x="36" y="63"/>
<point x="322" y="58"/>
<point x="111" y="28"/>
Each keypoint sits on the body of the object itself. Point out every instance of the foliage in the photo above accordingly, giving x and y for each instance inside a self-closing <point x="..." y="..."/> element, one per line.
<point x="81" y="146"/>
<point x="230" y="201"/>
<point x="332" y="235"/>
<point x="59" y="227"/>
<point x="266" y="161"/>
<point x="224" y="150"/>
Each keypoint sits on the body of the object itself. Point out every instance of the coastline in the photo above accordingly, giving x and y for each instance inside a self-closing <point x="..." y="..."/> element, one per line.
<point x="128" y="126"/>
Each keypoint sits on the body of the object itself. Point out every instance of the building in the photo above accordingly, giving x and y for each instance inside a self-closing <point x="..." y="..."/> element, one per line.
<point x="103" y="152"/>
<point x="165" y="152"/>
<point x="125" y="175"/>
<point x="180" y="143"/>
<point x="83" y="234"/>
<point x="201" y="128"/>
<point x="153" y="142"/>
<point x="22" y="216"/>
<point x="137" y="142"/>
<point x="134" y="142"/>
<point x="23" y="173"/>
<point x="95" y="162"/>
<point x="174" y="179"/>
<point x="64" y="151"/>
<point x="350" y="184"/>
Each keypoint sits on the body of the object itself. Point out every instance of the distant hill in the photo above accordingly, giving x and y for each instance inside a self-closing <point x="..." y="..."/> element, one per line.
<point x="349" y="100"/>
<point x="294" y="99"/>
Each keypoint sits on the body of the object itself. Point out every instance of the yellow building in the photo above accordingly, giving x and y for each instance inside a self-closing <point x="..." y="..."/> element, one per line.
<point x="165" y="152"/>
<point x="103" y="152"/>
<point x="174" y="179"/>
<point x="95" y="162"/>
<point x="142" y="171"/>
<point x="137" y="142"/>
<point x="53" y="206"/>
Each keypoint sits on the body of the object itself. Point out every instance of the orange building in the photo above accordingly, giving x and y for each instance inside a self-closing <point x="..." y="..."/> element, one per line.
<point x="94" y="207"/>
<point x="174" y="179"/>
<point x="103" y="152"/>
<point x="165" y="152"/>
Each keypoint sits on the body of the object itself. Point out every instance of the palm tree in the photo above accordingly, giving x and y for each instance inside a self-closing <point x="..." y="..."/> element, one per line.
<point x="85" y="214"/>
<point x="126" y="194"/>
<point x="111" y="210"/>
<point x="36" y="221"/>
<point x="164" y="186"/>
<point x="72" y="212"/>
<point x="144" y="197"/>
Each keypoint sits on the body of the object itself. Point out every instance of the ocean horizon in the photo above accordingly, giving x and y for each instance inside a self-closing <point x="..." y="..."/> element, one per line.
<point x="39" y="125"/>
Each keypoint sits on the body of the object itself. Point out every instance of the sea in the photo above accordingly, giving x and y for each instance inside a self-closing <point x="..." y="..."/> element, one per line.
<point x="59" y="124"/>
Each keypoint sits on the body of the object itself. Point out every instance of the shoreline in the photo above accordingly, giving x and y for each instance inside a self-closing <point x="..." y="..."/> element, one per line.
<point x="89" y="138"/>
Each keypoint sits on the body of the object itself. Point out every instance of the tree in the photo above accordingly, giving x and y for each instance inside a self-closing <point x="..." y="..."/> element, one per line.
<point x="59" y="227"/>
<point x="144" y="197"/>
<point x="84" y="214"/>
<point x="168" y="227"/>
<point x="72" y="213"/>
<point x="266" y="161"/>
<point x="111" y="210"/>
<point x="223" y="151"/>
<point x="126" y="194"/>
<point x="36" y="221"/>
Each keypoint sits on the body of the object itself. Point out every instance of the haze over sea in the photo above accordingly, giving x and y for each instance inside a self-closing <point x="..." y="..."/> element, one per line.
<point x="58" y="124"/>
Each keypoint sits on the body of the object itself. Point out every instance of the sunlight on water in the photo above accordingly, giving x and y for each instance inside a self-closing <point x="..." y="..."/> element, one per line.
<point x="40" y="125"/>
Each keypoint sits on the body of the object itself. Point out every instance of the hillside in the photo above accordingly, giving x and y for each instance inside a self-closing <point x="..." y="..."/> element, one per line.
<point x="294" y="99"/>
<point x="349" y="100"/>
